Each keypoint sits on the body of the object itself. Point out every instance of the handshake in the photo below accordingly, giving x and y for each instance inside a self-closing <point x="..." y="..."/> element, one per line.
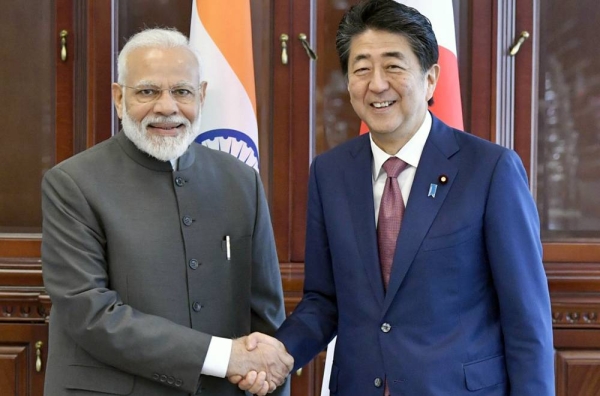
<point x="259" y="364"/>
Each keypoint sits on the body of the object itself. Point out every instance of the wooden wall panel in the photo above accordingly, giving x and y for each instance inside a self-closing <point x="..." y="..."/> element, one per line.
<point x="20" y="347"/>
<point x="98" y="76"/>
<point x="281" y="154"/>
<point x="578" y="373"/>
<point x="13" y="369"/>
<point x="483" y="44"/>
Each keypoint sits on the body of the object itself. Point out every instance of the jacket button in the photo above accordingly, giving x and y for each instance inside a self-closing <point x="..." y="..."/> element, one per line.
<point x="178" y="383"/>
<point x="187" y="220"/>
<point x="386" y="327"/>
<point x="170" y="380"/>
<point x="155" y="376"/>
<point x="194" y="264"/>
<point x="179" y="181"/>
<point x="196" y="306"/>
<point x="163" y="378"/>
<point x="378" y="382"/>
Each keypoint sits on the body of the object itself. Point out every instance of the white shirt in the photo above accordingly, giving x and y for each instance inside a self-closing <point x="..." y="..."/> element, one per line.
<point x="217" y="357"/>
<point x="410" y="153"/>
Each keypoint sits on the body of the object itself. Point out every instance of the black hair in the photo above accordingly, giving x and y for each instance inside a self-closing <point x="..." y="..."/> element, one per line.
<point x="389" y="16"/>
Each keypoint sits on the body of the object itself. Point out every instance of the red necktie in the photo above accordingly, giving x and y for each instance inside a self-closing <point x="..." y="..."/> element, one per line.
<point x="391" y="211"/>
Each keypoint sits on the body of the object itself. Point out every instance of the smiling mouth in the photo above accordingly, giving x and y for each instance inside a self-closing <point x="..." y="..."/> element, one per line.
<point x="166" y="127"/>
<point x="381" y="105"/>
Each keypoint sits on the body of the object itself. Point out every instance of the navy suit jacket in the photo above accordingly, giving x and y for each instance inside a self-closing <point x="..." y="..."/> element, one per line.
<point x="467" y="310"/>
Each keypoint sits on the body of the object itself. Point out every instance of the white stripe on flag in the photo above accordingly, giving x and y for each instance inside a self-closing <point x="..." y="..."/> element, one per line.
<point x="441" y="16"/>
<point x="227" y="105"/>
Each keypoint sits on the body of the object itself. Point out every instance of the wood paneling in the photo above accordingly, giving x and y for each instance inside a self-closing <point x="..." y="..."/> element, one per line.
<point x="301" y="127"/>
<point x="64" y="79"/>
<point x="303" y="381"/>
<point x="22" y="247"/>
<point x="483" y="44"/>
<point x="578" y="373"/>
<point x="27" y="108"/>
<point x="13" y="370"/>
<point x="21" y="288"/>
<point x="135" y="15"/>
<point x="525" y="116"/>
<point x="262" y="45"/>
<point x="573" y="278"/>
<point x="98" y="76"/>
<point x="572" y="252"/>
<point x="18" y="354"/>
<point x="572" y="265"/>
<point x="282" y="110"/>
<point x="576" y="339"/>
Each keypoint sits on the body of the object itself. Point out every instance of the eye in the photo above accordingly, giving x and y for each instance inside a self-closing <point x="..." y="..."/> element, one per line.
<point x="361" y="71"/>
<point x="182" y="92"/>
<point x="147" y="92"/>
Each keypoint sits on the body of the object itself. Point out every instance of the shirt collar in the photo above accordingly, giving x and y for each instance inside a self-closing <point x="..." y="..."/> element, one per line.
<point x="409" y="153"/>
<point x="144" y="159"/>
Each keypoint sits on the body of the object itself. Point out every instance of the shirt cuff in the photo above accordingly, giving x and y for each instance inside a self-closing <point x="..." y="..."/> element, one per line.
<point x="217" y="357"/>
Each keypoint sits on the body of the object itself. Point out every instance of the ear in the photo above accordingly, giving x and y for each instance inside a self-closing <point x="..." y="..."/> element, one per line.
<point x="202" y="92"/>
<point x="117" y="94"/>
<point x="432" y="76"/>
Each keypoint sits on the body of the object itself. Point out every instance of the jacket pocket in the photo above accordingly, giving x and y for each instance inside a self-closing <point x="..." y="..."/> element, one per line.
<point x="238" y="251"/>
<point x="99" y="379"/>
<point x="484" y="373"/>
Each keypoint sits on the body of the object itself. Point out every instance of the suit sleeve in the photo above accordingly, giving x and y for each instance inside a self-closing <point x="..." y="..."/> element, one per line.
<point x="75" y="275"/>
<point x="512" y="235"/>
<point x="314" y="321"/>
<point x="268" y="311"/>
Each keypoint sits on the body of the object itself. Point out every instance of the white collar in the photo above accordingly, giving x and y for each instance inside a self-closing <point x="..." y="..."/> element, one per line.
<point x="409" y="153"/>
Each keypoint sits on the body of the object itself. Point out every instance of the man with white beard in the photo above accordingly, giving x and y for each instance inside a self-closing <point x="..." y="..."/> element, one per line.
<point x="157" y="252"/>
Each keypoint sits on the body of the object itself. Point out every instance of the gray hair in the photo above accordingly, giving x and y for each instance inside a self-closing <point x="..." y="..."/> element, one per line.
<point x="156" y="38"/>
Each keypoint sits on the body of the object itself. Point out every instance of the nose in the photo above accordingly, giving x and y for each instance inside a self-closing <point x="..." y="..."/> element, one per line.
<point x="165" y="104"/>
<point x="379" y="81"/>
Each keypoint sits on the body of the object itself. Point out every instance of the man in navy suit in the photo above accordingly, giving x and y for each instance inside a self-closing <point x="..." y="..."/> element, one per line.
<point x="466" y="310"/>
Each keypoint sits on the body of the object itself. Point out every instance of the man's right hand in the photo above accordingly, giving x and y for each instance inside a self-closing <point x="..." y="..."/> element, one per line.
<point x="259" y="363"/>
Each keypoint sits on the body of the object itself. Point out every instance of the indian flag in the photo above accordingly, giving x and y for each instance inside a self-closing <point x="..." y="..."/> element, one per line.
<point x="229" y="113"/>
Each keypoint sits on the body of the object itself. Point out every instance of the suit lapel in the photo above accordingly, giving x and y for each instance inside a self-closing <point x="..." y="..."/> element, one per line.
<point x="359" y="186"/>
<point x="422" y="209"/>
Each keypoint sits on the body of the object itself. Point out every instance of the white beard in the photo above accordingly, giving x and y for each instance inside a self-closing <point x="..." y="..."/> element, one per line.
<point x="164" y="148"/>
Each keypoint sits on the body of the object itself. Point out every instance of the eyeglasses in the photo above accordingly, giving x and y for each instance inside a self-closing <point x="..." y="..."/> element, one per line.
<point x="184" y="94"/>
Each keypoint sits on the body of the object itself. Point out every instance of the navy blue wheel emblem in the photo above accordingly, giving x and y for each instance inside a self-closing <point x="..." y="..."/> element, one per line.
<point x="233" y="142"/>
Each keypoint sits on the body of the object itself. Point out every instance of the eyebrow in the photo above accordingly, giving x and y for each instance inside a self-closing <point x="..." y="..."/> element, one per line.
<point x="391" y="54"/>
<point x="148" y="83"/>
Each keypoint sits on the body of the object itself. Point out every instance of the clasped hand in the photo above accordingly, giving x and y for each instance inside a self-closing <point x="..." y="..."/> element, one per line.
<point x="259" y="363"/>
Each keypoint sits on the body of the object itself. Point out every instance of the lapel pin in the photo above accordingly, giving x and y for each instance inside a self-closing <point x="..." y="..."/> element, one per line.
<point x="443" y="179"/>
<point x="432" y="190"/>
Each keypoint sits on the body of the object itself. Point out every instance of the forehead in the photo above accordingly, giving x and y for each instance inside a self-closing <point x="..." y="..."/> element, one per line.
<point x="375" y="43"/>
<point x="162" y="65"/>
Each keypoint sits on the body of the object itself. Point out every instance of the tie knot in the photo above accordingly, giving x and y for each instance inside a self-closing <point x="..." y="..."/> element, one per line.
<point x="393" y="166"/>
